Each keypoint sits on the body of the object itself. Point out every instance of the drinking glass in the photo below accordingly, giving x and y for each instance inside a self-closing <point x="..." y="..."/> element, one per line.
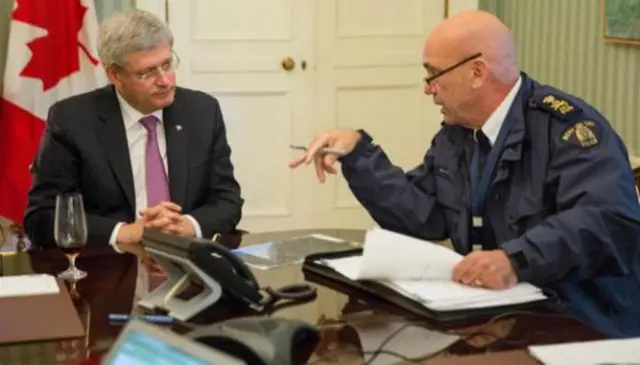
<point x="70" y="232"/>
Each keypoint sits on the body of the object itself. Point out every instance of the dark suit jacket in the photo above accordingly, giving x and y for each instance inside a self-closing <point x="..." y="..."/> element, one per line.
<point x="84" y="149"/>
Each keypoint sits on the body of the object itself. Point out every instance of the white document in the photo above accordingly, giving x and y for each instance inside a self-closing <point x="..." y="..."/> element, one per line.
<point x="347" y="266"/>
<point x="389" y="255"/>
<point x="422" y="270"/>
<point x="448" y="295"/>
<point x="23" y="285"/>
<point x="615" y="351"/>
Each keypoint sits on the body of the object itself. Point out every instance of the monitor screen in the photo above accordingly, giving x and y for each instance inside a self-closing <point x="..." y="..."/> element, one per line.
<point x="142" y="343"/>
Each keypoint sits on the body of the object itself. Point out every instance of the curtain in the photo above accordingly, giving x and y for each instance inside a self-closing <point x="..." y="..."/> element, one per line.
<point x="105" y="8"/>
<point x="5" y="15"/>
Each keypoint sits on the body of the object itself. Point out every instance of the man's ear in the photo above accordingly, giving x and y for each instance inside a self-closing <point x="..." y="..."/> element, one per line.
<point x="479" y="70"/>
<point x="112" y="74"/>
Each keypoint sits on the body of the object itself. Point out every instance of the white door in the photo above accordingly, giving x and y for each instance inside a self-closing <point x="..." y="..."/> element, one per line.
<point x="369" y="75"/>
<point x="233" y="50"/>
<point x="363" y="70"/>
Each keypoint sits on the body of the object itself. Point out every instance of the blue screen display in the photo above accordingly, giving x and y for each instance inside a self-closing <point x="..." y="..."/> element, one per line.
<point x="140" y="349"/>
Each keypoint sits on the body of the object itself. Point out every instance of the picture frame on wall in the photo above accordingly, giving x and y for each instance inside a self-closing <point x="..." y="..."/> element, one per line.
<point x="620" y="21"/>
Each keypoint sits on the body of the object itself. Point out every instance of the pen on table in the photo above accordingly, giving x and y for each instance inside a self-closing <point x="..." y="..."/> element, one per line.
<point x="335" y="151"/>
<point x="153" y="318"/>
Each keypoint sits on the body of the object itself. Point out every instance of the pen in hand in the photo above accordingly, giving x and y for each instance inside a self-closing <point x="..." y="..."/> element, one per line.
<point x="324" y="150"/>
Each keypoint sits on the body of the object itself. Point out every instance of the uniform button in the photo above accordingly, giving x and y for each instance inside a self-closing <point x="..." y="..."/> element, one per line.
<point x="497" y="197"/>
<point x="513" y="226"/>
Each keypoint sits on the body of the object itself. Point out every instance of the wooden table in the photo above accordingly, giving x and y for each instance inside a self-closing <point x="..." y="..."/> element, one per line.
<point x="109" y="288"/>
<point x="519" y="357"/>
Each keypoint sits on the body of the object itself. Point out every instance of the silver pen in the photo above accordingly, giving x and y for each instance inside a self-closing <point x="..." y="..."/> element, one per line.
<point x="324" y="150"/>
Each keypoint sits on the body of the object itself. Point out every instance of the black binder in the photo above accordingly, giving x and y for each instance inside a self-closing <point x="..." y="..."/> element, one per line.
<point x="393" y="301"/>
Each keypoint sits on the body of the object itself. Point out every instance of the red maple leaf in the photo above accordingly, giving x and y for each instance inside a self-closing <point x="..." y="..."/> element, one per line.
<point x="55" y="55"/>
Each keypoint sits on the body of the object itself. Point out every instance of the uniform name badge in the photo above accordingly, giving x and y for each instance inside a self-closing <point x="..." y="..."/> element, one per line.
<point x="477" y="221"/>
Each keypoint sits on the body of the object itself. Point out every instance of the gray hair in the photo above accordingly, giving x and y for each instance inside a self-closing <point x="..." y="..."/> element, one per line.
<point x="128" y="32"/>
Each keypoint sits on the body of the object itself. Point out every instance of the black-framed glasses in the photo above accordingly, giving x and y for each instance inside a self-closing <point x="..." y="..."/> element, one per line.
<point x="430" y="79"/>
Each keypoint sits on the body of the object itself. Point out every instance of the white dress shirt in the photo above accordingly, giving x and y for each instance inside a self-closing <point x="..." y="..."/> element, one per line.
<point x="137" y="142"/>
<point x="492" y="126"/>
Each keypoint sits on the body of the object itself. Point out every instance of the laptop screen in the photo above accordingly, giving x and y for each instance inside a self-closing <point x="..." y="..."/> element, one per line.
<point x="140" y="349"/>
<point x="142" y="343"/>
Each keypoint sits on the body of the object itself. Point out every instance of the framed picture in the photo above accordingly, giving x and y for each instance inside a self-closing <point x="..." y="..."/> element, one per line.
<point x="621" y="21"/>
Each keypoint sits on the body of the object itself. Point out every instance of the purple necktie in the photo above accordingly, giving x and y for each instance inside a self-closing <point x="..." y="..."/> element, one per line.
<point x="157" y="181"/>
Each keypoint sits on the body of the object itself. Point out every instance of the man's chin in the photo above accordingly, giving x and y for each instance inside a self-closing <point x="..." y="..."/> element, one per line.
<point x="449" y="120"/>
<point x="163" y="100"/>
<point x="446" y="119"/>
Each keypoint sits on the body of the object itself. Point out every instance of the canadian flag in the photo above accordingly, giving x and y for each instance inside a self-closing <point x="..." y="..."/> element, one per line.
<point x="52" y="55"/>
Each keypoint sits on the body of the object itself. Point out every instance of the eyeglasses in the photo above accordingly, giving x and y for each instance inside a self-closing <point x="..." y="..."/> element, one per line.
<point x="153" y="73"/>
<point x="431" y="78"/>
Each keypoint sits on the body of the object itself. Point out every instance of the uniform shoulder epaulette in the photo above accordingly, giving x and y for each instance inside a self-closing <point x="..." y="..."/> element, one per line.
<point x="556" y="104"/>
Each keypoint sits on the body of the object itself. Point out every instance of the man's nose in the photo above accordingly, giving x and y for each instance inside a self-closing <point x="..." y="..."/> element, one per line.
<point x="163" y="78"/>
<point x="429" y="89"/>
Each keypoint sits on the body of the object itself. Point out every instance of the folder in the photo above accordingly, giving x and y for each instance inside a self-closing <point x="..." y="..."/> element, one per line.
<point x="387" y="298"/>
<point x="36" y="318"/>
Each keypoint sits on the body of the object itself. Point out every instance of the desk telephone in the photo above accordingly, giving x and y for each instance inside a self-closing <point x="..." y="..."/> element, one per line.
<point x="215" y="270"/>
<point x="236" y="278"/>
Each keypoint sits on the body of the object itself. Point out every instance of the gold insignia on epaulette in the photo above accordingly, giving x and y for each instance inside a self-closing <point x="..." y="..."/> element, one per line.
<point x="559" y="105"/>
<point x="584" y="133"/>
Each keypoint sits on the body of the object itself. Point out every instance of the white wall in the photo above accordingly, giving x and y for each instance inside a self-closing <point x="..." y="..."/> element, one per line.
<point x="456" y="6"/>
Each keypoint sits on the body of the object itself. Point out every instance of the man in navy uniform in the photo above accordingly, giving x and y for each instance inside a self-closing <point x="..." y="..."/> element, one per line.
<point x="536" y="177"/>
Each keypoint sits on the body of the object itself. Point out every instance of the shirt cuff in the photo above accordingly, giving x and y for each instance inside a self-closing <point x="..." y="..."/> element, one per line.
<point x="113" y="240"/>
<point x="196" y="226"/>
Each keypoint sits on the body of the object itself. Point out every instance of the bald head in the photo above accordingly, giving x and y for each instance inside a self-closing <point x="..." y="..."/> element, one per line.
<point x="471" y="67"/>
<point x="472" y="32"/>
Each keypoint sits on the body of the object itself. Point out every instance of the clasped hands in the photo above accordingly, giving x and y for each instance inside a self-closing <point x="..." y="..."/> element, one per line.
<point x="165" y="217"/>
<point x="488" y="269"/>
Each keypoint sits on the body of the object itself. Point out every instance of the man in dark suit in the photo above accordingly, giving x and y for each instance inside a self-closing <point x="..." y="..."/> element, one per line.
<point x="141" y="151"/>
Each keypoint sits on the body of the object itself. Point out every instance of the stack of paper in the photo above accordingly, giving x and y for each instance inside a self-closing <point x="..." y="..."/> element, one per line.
<point x="422" y="270"/>
<point x="23" y="285"/>
<point x="444" y="295"/>
<point x="622" y="351"/>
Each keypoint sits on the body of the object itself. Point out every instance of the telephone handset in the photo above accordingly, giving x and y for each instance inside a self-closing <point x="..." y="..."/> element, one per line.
<point x="237" y="280"/>
<point x="228" y="270"/>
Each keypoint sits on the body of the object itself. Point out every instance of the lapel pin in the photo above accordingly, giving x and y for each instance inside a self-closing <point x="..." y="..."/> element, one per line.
<point x="178" y="127"/>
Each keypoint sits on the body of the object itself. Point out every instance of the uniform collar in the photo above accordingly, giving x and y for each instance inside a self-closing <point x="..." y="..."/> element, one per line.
<point x="132" y="115"/>
<point x="492" y="126"/>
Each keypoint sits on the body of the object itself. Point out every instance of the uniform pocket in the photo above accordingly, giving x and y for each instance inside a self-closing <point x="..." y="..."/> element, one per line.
<point x="446" y="192"/>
